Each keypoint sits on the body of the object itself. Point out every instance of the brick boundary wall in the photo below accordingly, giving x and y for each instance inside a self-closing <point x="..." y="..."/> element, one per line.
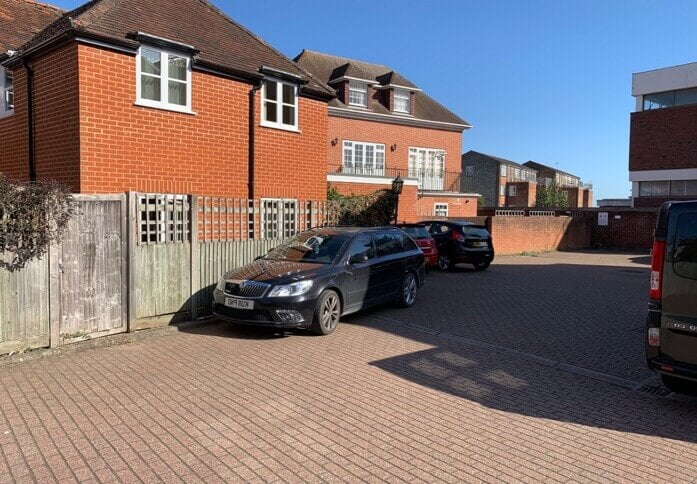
<point x="513" y="235"/>
<point x="628" y="228"/>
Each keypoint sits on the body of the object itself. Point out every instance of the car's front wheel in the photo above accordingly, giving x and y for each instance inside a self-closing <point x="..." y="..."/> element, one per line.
<point x="445" y="262"/>
<point x="679" y="385"/>
<point x="327" y="313"/>
<point x="407" y="296"/>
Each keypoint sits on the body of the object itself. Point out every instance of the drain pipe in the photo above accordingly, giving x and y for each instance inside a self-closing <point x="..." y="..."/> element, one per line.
<point x="250" y="164"/>
<point x="30" y="117"/>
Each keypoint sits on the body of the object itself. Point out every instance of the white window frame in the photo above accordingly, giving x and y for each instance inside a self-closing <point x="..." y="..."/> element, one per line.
<point x="512" y="191"/>
<point x="428" y="166"/>
<point x="504" y="170"/>
<point x="502" y="190"/>
<point x="163" y="103"/>
<point x="279" y="124"/>
<point x="6" y="90"/>
<point x="404" y="96"/>
<point x="350" y="166"/>
<point x="469" y="170"/>
<point x="440" y="209"/>
<point x="281" y="207"/>
<point x="356" y="87"/>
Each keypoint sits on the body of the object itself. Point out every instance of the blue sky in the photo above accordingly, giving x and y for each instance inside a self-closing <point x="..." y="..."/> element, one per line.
<point x="548" y="80"/>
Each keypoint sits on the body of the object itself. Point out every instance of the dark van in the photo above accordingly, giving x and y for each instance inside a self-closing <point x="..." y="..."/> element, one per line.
<point x="671" y="335"/>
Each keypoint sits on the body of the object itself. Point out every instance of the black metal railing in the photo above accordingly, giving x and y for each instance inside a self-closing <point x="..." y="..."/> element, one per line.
<point x="429" y="180"/>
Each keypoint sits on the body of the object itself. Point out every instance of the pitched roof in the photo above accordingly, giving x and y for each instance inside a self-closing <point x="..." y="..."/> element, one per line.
<point x="349" y="70"/>
<point x="495" y="159"/>
<point x="221" y="42"/>
<point x="322" y="66"/>
<point x="20" y="20"/>
<point x="539" y="166"/>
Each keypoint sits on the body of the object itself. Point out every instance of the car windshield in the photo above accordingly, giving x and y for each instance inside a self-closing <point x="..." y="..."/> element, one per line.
<point x="314" y="247"/>
<point x="475" y="231"/>
<point x="416" y="232"/>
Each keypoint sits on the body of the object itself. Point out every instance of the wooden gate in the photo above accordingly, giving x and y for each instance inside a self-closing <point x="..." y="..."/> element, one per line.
<point x="89" y="268"/>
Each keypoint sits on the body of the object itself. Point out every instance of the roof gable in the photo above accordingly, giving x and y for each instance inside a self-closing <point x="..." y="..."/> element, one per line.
<point x="220" y="41"/>
<point x="20" y="20"/>
<point x="495" y="159"/>
<point x="539" y="166"/>
<point x="324" y="67"/>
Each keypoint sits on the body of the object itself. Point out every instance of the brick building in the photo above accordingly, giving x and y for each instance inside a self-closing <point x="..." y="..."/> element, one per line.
<point x="663" y="139"/>
<point x="167" y="96"/>
<point x="502" y="183"/>
<point x="380" y="126"/>
<point x="579" y="194"/>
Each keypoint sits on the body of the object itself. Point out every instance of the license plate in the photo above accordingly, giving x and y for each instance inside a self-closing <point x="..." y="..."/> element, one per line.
<point x="480" y="244"/>
<point x="237" y="303"/>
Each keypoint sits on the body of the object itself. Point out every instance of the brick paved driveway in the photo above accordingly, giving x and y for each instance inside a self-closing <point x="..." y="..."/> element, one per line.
<point x="386" y="398"/>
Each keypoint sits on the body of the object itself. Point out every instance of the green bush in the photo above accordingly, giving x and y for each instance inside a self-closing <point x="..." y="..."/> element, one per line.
<point x="371" y="210"/>
<point x="32" y="217"/>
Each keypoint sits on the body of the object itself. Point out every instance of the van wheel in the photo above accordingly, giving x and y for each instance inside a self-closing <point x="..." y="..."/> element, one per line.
<point x="407" y="294"/>
<point x="482" y="266"/>
<point x="327" y="313"/>
<point x="445" y="263"/>
<point x="678" y="385"/>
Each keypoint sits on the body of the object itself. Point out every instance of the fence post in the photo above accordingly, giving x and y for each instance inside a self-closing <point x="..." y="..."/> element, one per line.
<point x="195" y="272"/>
<point x="132" y="231"/>
<point x="54" y="295"/>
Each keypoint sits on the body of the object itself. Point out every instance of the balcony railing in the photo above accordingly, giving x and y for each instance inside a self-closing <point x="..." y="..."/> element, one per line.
<point x="429" y="180"/>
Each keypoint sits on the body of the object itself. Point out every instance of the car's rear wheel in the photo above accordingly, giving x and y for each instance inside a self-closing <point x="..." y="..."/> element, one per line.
<point x="678" y="385"/>
<point x="327" y="313"/>
<point x="407" y="295"/>
<point x="482" y="266"/>
<point x="445" y="262"/>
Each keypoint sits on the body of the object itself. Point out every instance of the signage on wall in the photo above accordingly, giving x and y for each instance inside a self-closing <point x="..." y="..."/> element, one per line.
<point x="602" y="218"/>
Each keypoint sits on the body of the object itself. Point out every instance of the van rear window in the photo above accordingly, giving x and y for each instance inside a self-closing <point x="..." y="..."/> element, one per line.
<point x="685" y="257"/>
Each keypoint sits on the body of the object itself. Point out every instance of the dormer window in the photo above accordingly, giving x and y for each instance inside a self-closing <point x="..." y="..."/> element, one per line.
<point x="7" y="90"/>
<point x="358" y="94"/>
<point x="402" y="101"/>
<point x="164" y="80"/>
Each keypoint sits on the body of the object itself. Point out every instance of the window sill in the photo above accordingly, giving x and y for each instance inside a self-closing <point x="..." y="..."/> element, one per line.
<point x="6" y="114"/>
<point x="282" y="127"/>
<point x="174" y="109"/>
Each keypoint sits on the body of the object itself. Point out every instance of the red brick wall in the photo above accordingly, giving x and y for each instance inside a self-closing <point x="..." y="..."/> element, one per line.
<point x="55" y="121"/>
<point x="526" y="194"/>
<point x="626" y="229"/>
<point x="457" y="206"/>
<point x="663" y="139"/>
<point x="513" y="235"/>
<point x="390" y="134"/>
<point x="127" y="147"/>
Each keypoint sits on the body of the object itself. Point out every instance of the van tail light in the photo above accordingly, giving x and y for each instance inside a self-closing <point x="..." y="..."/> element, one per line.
<point x="458" y="237"/>
<point x="657" y="255"/>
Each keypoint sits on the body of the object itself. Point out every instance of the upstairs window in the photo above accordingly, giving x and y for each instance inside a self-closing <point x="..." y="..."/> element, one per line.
<point x="280" y="105"/>
<point x="402" y="101"/>
<point x="512" y="191"/>
<point x="358" y="94"/>
<point x="7" y="103"/>
<point x="164" y="80"/>
<point x="469" y="170"/>
<point x="364" y="158"/>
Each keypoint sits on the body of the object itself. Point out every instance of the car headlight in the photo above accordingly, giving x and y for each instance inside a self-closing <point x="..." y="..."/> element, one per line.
<point x="221" y="285"/>
<point x="296" y="289"/>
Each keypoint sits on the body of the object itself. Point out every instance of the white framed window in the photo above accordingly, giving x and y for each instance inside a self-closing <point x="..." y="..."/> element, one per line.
<point x="7" y="102"/>
<point x="358" y="94"/>
<point x="504" y="170"/>
<point x="364" y="158"/>
<point x="428" y="165"/>
<point x="469" y="170"/>
<point x="163" y="80"/>
<point x="502" y="190"/>
<point x="512" y="191"/>
<point x="402" y="101"/>
<point x="279" y="105"/>
<point x="279" y="218"/>
<point x="440" y="209"/>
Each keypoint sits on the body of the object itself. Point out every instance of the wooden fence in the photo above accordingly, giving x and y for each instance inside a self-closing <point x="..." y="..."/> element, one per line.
<point x="137" y="260"/>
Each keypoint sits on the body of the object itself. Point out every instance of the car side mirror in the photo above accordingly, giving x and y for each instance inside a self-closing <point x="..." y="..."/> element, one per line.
<point x="358" y="259"/>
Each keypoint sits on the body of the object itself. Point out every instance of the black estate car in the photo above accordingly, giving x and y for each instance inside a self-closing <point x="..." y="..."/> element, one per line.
<point x="314" y="278"/>
<point x="671" y="333"/>
<point x="461" y="243"/>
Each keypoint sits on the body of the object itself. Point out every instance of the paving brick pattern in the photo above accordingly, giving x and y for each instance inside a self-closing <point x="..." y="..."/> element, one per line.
<point x="376" y="401"/>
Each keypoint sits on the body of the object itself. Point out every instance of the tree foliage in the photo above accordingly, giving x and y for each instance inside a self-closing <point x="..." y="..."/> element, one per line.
<point x="32" y="217"/>
<point x="371" y="210"/>
<point x="551" y="196"/>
